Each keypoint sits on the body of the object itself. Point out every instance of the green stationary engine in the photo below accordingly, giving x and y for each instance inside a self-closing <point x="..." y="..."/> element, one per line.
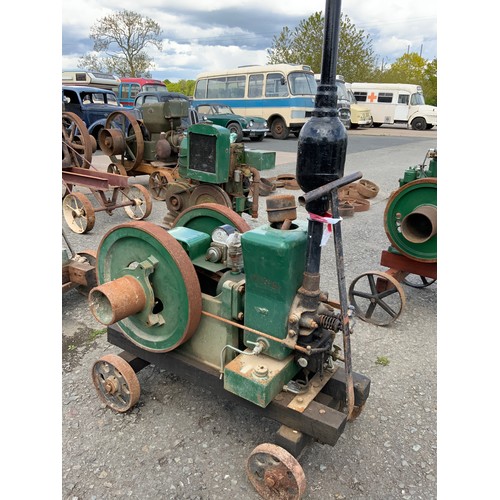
<point x="410" y="218"/>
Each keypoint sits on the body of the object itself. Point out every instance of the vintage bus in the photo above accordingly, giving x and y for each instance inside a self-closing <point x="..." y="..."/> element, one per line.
<point x="130" y="87"/>
<point x="91" y="79"/>
<point x="282" y="94"/>
<point x="391" y="103"/>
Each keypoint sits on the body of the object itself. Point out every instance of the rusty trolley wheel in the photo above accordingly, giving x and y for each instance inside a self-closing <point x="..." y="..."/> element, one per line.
<point x="377" y="297"/>
<point x="116" y="382"/>
<point x="142" y="203"/>
<point x="158" y="185"/>
<point x="78" y="212"/>
<point x="77" y="143"/>
<point x="417" y="281"/>
<point x="275" y="473"/>
<point x="113" y="168"/>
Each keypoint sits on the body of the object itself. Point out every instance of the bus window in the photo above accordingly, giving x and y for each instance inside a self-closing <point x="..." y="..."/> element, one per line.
<point x="302" y="83"/>
<point x="276" y="85"/>
<point x="403" y="99"/>
<point x="215" y="88"/>
<point x="235" y="86"/>
<point x="384" y="97"/>
<point x="255" y="85"/>
<point x="417" y="99"/>
<point x="200" y="91"/>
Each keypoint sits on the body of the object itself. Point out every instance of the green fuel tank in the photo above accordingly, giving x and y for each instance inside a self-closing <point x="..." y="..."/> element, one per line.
<point x="274" y="261"/>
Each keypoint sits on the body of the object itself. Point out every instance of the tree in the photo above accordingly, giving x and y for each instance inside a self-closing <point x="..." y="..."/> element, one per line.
<point x="304" y="45"/>
<point x="412" y="68"/>
<point x="185" y="87"/>
<point x="123" y="38"/>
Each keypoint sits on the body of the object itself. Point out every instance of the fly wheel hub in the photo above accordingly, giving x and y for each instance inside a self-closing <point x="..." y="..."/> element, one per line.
<point x="147" y="285"/>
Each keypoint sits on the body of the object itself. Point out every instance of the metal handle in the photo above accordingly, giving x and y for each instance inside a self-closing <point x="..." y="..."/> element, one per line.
<point x="324" y="190"/>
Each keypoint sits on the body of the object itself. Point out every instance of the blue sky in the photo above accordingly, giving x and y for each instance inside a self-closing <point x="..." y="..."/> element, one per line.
<point x="208" y="35"/>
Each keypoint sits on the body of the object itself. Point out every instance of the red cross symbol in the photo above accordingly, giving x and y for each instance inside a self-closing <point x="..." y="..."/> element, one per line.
<point x="372" y="97"/>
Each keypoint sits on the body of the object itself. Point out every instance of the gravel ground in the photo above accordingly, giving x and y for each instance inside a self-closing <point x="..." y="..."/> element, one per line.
<point x="182" y="442"/>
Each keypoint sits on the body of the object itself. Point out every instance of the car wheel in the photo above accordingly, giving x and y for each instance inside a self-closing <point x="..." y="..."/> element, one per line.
<point x="376" y="125"/>
<point x="279" y="130"/>
<point x="257" y="138"/>
<point x="354" y="126"/>
<point x="236" y="129"/>
<point x="419" y="124"/>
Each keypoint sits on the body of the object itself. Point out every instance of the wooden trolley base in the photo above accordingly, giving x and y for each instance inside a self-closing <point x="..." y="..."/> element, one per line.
<point x="319" y="421"/>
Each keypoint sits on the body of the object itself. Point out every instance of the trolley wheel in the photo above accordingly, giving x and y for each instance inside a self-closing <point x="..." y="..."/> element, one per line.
<point x="377" y="297"/>
<point x="142" y="203"/>
<point x="416" y="281"/>
<point x="78" y="212"/>
<point x="116" y="382"/>
<point x="158" y="184"/>
<point x="275" y="473"/>
<point x="77" y="143"/>
<point x="122" y="140"/>
<point x="119" y="169"/>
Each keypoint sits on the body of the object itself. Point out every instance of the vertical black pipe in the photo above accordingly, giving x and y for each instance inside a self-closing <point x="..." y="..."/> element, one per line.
<point x="322" y="144"/>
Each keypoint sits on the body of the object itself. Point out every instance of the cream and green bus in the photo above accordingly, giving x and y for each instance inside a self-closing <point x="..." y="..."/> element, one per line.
<point x="282" y="94"/>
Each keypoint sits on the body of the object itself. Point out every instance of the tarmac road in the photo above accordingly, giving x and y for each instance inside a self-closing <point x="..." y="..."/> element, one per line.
<point x="182" y="442"/>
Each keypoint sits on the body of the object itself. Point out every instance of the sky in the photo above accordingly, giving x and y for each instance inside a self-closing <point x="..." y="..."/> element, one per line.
<point x="206" y="35"/>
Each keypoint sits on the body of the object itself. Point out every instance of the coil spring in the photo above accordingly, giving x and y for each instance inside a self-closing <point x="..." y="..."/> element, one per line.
<point x="332" y="323"/>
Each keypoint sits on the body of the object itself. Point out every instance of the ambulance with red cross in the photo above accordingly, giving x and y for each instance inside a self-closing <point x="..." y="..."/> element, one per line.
<point x="392" y="103"/>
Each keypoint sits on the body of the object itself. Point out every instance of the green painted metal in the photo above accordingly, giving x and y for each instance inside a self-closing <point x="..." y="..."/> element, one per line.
<point x="208" y="153"/>
<point x="202" y="219"/>
<point x="274" y="263"/>
<point x="404" y="201"/>
<point x="124" y="249"/>
<point x="418" y="172"/>
<point x="261" y="160"/>
<point x="195" y="243"/>
<point x="258" y="378"/>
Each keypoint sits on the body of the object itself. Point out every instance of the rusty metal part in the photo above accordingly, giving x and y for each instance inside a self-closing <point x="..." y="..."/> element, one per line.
<point x="289" y="181"/>
<point x="346" y="209"/>
<point x="88" y="257"/>
<point x="111" y="141"/>
<point x="255" y="192"/>
<point x="416" y="281"/>
<point x="377" y="297"/>
<point x="141" y="206"/>
<point x="266" y="187"/>
<point x="252" y="330"/>
<point x="78" y="212"/>
<point x="117" y="299"/>
<point x="316" y="384"/>
<point x="207" y="193"/>
<point x="131" y="135"/>
<point x="158" y="185"/>
<point x="77" y="144"/>
<point x="113" y="168"/>
<point x="177" y="196"/>
<point x="367" y="188"/>
<point x="275" y="473"/>
<point x="226" y="214"/>
<point x="281" y="207"/>
<point x="116" y="382"/>
<point x="358" y="205"/>
<point x="412" y="225"/>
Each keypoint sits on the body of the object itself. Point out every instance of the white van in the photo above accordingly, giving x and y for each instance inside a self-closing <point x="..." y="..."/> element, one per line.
<point x="396" y="103"/>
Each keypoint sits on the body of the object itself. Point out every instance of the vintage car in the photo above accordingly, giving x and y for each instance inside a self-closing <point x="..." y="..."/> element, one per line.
<point x="253" y="127"/>
<point x="93" y="105"/>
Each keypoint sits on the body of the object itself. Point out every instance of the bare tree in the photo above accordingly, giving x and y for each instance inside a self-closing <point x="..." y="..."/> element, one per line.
<point x="120" y="41"/>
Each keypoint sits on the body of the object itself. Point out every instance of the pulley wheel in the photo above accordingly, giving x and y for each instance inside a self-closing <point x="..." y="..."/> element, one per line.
<point x="377" y="297"/>
<point x="207" y="216"/>
<point x="78" y="212"/>
<point x="416" y="281"/>
<point x="111" y="141"/>
<point x="158" y="184"/>
<point x="142" y="203"/>
<point x="208" y="193"/>
<point x="116" y="382"/>
<point x="177" y="197"/>
<point x="77" y="145"/>
<point x="275" y="473"/>
<point x="173" y="280"/>
<point x="404" y="202"/>
<point x="123" y="124"/>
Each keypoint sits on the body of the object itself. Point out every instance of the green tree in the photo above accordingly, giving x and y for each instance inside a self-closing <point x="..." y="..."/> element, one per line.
<point x="120" y="41"/>
<point x="304" y="45"/>
<point x="412" y="68"/>
<point x="185" y="87"/>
